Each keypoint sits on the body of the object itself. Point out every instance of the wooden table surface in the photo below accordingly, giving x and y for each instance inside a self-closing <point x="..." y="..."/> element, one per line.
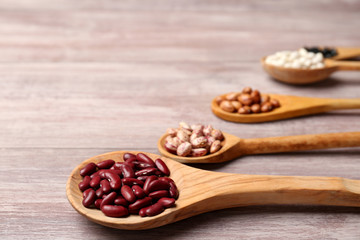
<point x="81" y="78"/>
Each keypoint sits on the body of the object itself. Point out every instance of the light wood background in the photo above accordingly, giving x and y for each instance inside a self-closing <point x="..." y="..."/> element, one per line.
<point x="80" y="78"/>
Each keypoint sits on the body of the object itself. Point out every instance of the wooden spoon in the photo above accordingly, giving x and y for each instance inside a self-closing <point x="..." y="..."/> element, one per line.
<point x="203" y="191"/>
<point x="291" y="106"/>
<point x="306" y="76"/>
<point x="234" y="147"/>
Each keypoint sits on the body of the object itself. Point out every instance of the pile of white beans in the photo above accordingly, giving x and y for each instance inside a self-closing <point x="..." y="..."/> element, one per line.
<point x="300" y="59"/>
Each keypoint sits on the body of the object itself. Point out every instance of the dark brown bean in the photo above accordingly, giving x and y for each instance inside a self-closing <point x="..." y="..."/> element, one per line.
<point x="275" y="103"/>
<point x="144" y="158"/>
<point x="166" y="202"/>
<point x="127" y="171"/>
<point x="266" y="107"/>
<point x="147" y="182"/>
<point x="121" y="201"/>
<point x="174" y="192"/>
<point x="89" y="199"/>
<point x="114" y="179"/>
<point x="115" y="211"/>
<point x="105" y="185"/>
<point x="162" y="167"/>
<point x="255" y="96"/>
<point x="141" y="203"/>
<point x="146" y="172"/>
<point x="158" y="185"/>
<point x="264" y="99"/>
<point x="106" y="164"/>
<point x="109" y="199"/>
<point x="247" y="90"/>
<point x="85" y="183"/>
<point x="255" y="108"/>
<point x="245" y="99"/>
<point x="138" y="191"/>
<point x="97" y="203"/>
<point x="95" y="182"/>
<point x="128" y="155"/>
<point x="128" y="194"/>
<point x="99" y="193"/>
<point x="244" y="110"/>
<point x="159" y="194"/>
<point x="154" y="209"/>
<point x="132" y="181"/>
<point x="89" y="169"/>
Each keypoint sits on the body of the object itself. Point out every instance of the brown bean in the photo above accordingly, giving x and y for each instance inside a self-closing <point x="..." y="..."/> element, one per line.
<point x="159" y="194"/>
<point x="255" y="96"/>
<point x="89" y="199"/>
<point x="247" y="90"/>
<point x="167" y="202"/>
<point x="85" y="183"/>
<point x="155" y="209"/>
<point x="227" y="106"/>
<point x="255" y="108"/>
<point x="264" y="99"/>
<point x="109" y="199"/>
<point x="95" y="182"/>
<point x="106" y="164"/>
<point x="144" y="158"/>
<point x="245" y="110"/>
<point x="232" y="96"/>
<point x="89" y="169"/>
<point x="245" y="99"/>
<point x="140" y="203"/>
<point x="128" y="194"/>
<point x="158" y="185"/>
<point x="115" y="211"/>
<point x="218" y="100"/>
<point x="266" y="107"/>
<point x="236" y="105"/>
<point x="138" y="191"/>
<point x="162" y="167"/>
<point x="275" y="103"/>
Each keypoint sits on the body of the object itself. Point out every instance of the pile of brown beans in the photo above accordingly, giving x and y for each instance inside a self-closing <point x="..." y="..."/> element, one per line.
<point x="136" y="186"/>
<point x="246" y="102"/>
<point x="193" y="141"/>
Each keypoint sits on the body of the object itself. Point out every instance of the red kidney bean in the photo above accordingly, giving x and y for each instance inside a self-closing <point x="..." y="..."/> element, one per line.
<point x="115" y="181"/>
<point x="95" y="182"/>
<point x="162" y="167"/>
<point x="99" y="193"/>
<point x="97" y="203"/>
<point x="132" y="181"/>
<point x="128" y="194"/>
<point x="140" y="203"/>
<point x="86" y="192"/>
<point x="85" y="184"/>
<point x="142" y="211"/>
<point x="138" y="191"/>
<point x="89" y="169"/>
<point x="147" y="182"/>
<point x="167" y="202"/>
<point x="155" y="209"/>
<point x="167" y="179"/>
<point x="89" y="199"/>
<point x="103" y="171"/>
<point x="109" y="199"/>
<point x="121" y="201"/>
<point x="104" y="196"/>
<point x="106" y="164"/>
<point x="159" y="194"/>
<point x="128" y="155"/>
<point x="141" y="165"/>
<point x="127" y="171"/>
<point x="105" y="185"/>
<point x="117" y="166"/>
<point x="158" y="185"/>
<point x="145" y="172"/>
<point x="174" y="192"/>
<point x="158" y="173"/>
<point x="144" y="158"/>
<point x="134" y="211"/>
<point x="142" y="178"/>
<point x="114" y="211"/>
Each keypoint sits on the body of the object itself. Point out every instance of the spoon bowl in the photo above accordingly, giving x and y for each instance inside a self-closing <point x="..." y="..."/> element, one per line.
<point x="307" y="76"/>
<point x="203" y="191"/>
<point x="234" y="147"/>
<point x="290" y="107"/>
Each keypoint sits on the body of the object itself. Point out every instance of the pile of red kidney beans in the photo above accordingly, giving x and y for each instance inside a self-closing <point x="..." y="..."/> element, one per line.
<point x="138" y="185"/>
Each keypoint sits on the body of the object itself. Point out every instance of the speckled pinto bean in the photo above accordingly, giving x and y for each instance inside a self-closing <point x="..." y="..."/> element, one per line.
<point x="137" y="186"/>
<point x="106" y="164"/>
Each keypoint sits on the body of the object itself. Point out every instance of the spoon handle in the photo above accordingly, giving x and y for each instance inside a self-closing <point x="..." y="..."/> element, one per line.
<point x="344" y="65"/>
<point x="299" y="143"/>
<point x="334" y="104"/>
<point x="242" y="190"/>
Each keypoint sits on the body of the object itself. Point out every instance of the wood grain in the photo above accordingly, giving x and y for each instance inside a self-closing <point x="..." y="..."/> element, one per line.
<point x="80" y="78"/>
